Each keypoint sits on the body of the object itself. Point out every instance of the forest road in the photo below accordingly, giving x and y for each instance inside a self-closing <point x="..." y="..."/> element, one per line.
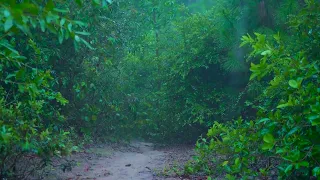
<point x="138" y="161"/>
<point x="137" y="165"/>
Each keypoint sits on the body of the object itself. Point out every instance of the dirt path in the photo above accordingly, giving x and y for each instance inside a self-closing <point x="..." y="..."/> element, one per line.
<point x="137" y="161"/>
<point x="135" y="165"/>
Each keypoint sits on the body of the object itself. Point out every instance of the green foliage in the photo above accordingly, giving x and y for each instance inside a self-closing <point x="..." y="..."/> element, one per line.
<point x="184" y="69"/>
<point x="183" y="79"/>
<point x="284" y="136"/>
<point x="30" y="117"/>
<point x="157" y="69"/>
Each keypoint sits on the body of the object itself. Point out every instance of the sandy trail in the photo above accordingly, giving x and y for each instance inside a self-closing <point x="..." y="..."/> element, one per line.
<point x="135" y="165"/>
<point x="137" y="161"/>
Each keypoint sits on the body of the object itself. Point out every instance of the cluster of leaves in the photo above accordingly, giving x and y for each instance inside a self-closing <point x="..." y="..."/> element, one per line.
<point x="155" y="69"/>
<point x="177" y="69"/>
<point x="87" y="77"/>
<point x="283" y="139"/>
<point x="30" y="106"/>
<point x="187" y="69"/>
<point x="99" y="84"/>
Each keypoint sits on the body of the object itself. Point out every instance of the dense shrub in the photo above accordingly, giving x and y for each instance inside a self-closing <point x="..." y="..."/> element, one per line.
<point x="283" y="139"/>
<point x="30" y="105"/>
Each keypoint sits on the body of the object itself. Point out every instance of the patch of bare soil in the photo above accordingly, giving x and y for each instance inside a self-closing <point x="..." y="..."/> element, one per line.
<point x="137" y="161"/>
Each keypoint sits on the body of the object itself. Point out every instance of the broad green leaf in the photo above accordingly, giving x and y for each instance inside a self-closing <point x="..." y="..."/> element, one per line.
<point x="62" y="21"/>
<point x="51" y="17"/>
<point x="61" y="10"/>
<point x="6" y="13"/>
<point x="283" y="105"/>
<point x="268" y="138"/>
<point x="76" y="45"/>
<point x="289" y="103"/>
<point x="225" y="163"/>
<point x="292" y="131"/>
<point x="288" y="169"/>
<point x="97" y="2"/>
<point x="61" y="99"/>
<point x="316" y="172"/>
<point x="281" y="150"/>
<point x="8" y="24"/>
<point x="87" y="44"/>
<point x="61" y="36"/>
<point x="304" y="164"/>
<point x="253" y="75"/>
<point x="293" y="155"/>
<point x="237" y="161"/>
<point x="293" y="83"/>
<point x="42" y="25"/>
<point x="80" y="23"/>
<point x="70" y="27"/>
<point x="21" y="88"/>
<point x="314" y="119"/>
<point x="230" y="177"/>
<point x="104" y="3"/>
<point x="277" y="37"/>
<point x="83" y="33"/>
<point x="9" y="47"/>
<point x="10" y="76"/>
<point x="267" y="146"/>
<point x="26" y="146"/>
<point x="77" y="38"/>
<point x="267" y="52"/>
<point x="263" y="120"/>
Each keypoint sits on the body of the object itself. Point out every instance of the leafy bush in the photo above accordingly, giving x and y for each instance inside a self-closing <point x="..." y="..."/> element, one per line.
<point x="284" y="137"/>
<point x="30" y="118"/>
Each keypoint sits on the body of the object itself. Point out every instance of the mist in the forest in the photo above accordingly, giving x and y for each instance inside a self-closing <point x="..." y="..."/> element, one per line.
<point x="158" y="89"/>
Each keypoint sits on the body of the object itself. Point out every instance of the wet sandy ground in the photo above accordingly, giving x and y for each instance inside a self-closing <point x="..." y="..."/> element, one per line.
<point x="135" y="165"/>
<point x="137" y="161"/>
